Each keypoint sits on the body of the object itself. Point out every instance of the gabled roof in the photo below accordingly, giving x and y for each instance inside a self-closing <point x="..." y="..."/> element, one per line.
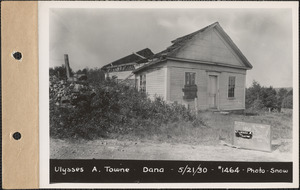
<point x="182" y="41"/>
<point x="233" y="46"/>
<point x="179" y="42"/>
<point x="135" y="57"/>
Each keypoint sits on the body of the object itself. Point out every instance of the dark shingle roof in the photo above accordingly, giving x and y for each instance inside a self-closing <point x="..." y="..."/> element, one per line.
<point x="132" y="58"/>
<point x="179" y="42"/>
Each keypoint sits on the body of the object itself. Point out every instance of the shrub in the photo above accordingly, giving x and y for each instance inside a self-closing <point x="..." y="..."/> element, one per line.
<point x="280" y="96"/>
<point x="262" y="97"/>
<point x="288" y="102"/>
<point x="269" y="98"/>
<point x="253" y="93"/>
<point x="116" y="108"/>
<point x="59" y="72"/>
<point x="94" y="75"/>
<point x="256" y="107"/>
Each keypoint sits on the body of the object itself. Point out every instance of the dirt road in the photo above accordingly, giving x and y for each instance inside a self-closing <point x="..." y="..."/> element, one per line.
<point x="149" y="150"/>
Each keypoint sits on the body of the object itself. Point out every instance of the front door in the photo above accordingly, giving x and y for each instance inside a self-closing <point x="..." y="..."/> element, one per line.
<point x="213" y="91"/>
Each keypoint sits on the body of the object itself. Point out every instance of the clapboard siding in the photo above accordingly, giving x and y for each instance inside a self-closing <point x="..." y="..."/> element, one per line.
<point x="206" y="67"/>
<point x="209" y="46"/>
<point x="155" y="82"/>
<point x="238" y="102"/>
<point x="177" y="79"/>
<point x="213" y="57"/>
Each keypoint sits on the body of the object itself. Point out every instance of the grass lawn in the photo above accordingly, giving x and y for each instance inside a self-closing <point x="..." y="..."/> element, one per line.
<point x="217" y="127"/>
<point x="183" y="141"/>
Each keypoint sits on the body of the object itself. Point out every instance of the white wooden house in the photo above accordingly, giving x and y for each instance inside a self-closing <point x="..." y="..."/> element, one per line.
<point x="203" y="69"/>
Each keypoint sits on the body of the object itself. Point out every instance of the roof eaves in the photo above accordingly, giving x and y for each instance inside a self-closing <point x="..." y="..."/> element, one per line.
<point x="148" y="65"/>
<point x="207" y="63"/>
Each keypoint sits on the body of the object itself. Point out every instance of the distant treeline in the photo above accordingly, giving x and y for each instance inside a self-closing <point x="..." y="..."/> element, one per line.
<point x="260" y="98"/>
<point x="93" y="75"/>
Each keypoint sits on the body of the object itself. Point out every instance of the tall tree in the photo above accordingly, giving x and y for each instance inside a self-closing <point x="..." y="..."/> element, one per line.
<point x="253" y="93"/>
<point x="287" y="101"/>
<point x="280" y="96"/>
<point x="269" y="97"/>
<point x="259" y="97"/>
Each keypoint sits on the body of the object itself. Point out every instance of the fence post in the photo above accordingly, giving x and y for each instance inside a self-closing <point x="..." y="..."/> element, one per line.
<point x="196" y="105"/>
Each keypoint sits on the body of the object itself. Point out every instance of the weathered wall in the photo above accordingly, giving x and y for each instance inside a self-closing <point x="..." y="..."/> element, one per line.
<point x="177" y="80"/>
<point x="204" y="55"/>
<point x="238" y="102"/>
<point x="177" y="71"/>
<point x="155" y="82"/>
<point x="209" y="46"/>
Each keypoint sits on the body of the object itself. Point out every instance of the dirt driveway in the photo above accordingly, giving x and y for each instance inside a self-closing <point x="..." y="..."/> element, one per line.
<point x="149" y="150"/>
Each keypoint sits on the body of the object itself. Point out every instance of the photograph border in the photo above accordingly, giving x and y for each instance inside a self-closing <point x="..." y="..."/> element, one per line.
<point x="43" y="25"/>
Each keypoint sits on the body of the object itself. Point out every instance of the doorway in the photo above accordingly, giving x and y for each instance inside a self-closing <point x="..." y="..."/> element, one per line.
<point x="213" y="91"/>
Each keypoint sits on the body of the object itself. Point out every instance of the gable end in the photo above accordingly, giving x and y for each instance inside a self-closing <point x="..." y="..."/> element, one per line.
<point x="207" y="40"/>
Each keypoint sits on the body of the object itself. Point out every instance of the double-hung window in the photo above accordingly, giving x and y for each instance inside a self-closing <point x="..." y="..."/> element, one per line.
<point x="231" y="87"/>
<point x="190" y="78"/>
<point x="190" y="87"/>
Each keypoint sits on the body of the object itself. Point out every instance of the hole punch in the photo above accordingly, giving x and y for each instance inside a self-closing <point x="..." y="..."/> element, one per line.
<point x="17" y="135"/>
<point x="17" y="55"/>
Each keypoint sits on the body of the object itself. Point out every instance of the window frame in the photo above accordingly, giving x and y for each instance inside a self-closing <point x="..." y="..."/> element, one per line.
<point x="231" y="87"/>
<point x="185" y="81"/>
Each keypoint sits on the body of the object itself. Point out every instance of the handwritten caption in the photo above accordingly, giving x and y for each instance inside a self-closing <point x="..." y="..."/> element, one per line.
<point x="184" y="170"/>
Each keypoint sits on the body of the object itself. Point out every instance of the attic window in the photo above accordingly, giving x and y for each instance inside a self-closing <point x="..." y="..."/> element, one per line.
<point x="231" y="87"/>
<point x="190" y="78"/>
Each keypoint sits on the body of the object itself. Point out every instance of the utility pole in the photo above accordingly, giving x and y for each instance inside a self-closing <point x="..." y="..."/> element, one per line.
<point x="67" y="66"/>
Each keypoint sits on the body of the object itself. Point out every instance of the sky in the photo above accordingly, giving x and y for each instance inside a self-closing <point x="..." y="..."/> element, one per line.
<point x="95" y="37"/>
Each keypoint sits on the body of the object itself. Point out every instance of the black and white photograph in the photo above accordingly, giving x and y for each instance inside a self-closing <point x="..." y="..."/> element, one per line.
<point x="162" y="85"/>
